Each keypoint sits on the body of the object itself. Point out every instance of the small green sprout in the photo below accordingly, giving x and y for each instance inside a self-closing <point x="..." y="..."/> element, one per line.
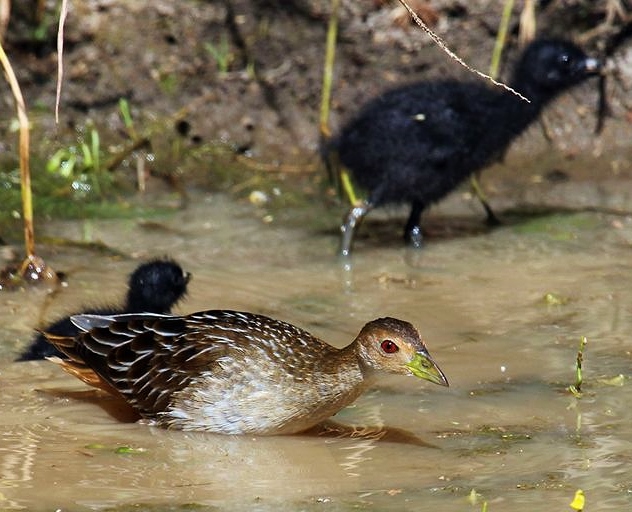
<point x="95" y="446"/>
<point x="616" y="381"/>
<point x="128" y="450"/>
<point x="554" y="299"/>
<point x="473" y="499"/>
<point x="125" y="450"/>
<point x="221" y="53"/>
<point x="126" y="116"/>
<point x="576" y="389"/>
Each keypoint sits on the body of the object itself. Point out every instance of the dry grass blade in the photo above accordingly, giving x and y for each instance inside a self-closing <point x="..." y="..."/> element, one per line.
<point x="439" y="42"/>
<point x="60" y="52"/>
<point x="25" y="173"/>
<point x="5" y="14"/>
<point x="33" y="269"/>
<point x="527" y="23"/>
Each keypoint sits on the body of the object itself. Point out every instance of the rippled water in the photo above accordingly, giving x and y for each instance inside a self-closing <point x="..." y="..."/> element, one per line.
<point x="506" y="428"/>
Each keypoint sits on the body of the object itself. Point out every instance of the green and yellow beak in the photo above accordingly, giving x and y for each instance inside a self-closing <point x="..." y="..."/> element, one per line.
<point x="424" y="367"/>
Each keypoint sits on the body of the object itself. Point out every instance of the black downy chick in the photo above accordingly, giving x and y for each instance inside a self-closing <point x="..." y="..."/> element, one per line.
<point x="154" y="287"/>
<point x="417" y="143"/>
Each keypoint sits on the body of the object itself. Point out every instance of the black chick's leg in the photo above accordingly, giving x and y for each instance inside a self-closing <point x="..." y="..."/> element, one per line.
<point x="412" y="232"/>
<point x="349" y="225"/>
<point x="491" y="220"/>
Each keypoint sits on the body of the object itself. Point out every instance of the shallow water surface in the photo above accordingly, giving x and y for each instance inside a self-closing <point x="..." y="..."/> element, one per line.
<point x="506" y="428"/>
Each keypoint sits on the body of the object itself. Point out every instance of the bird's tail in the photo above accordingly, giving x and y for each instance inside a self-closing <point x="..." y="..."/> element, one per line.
<point x="73" y="363"/>
<point x="65" y="344"/>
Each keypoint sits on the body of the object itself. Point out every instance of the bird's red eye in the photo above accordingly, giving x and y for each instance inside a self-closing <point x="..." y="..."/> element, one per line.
<point x="390" y="347"/>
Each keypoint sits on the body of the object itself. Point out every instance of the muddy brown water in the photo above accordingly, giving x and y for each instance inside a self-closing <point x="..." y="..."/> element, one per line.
<point x="506" y="429"/>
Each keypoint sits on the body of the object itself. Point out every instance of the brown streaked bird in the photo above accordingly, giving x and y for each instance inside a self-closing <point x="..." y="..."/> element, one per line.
<point x="232" y="372"/>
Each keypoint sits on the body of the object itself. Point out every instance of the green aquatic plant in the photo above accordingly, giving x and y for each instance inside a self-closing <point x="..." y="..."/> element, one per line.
<point x="119" y="450"/>
<point x="473" y="499"/>
<point x="576" y="389"/>
<point x="555" y="299"/>
<point x="129" y="450"/>
<point x="558" y="226"/>
<point x="616" y="381"/>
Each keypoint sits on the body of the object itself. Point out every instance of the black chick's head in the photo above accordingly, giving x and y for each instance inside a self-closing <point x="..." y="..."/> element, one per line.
<point x="155" y="286"/>
<point x="550" y="66"/>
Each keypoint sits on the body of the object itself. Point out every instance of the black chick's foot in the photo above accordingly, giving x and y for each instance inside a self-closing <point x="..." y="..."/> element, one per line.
<point x="491" y="220"/>
<point x="414" y="237"/>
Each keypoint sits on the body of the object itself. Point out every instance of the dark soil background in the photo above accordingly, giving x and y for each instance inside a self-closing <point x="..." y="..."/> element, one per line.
<point x="262" y="101"/>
